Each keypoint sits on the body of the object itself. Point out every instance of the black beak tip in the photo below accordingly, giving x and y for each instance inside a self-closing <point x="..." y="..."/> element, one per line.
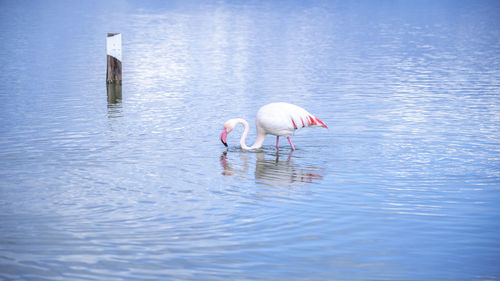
<point x="225" y="144"/>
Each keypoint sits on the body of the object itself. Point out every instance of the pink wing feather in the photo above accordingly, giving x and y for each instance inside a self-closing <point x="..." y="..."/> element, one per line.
<point x="302" y="117"/>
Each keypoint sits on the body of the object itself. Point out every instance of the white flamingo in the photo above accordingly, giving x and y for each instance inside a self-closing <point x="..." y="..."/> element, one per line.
<point x="278" y="119"/>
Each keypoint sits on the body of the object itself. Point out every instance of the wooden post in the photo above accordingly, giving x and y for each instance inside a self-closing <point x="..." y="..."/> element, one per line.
<point x="114" y="52"/>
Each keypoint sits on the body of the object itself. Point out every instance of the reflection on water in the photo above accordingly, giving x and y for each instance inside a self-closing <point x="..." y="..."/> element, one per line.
<point x="271" y="171"/>
<point x="114" y="93"/>
<point x="240" y="172"/>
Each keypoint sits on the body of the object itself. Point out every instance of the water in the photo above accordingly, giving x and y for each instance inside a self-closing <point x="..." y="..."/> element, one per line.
<point x="403" y="186"/>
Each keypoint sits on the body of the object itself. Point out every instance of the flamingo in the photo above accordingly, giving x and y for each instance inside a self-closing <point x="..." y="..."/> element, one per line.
<point x="280" y="119"/>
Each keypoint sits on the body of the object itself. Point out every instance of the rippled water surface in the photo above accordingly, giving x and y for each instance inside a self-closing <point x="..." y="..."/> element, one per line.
<point x="403" y="186"/>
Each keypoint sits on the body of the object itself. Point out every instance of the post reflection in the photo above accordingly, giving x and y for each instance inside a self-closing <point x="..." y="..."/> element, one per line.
<point x="114" y="93"/>
<point x="116" y="129"/>
<point x="271" y="169"/>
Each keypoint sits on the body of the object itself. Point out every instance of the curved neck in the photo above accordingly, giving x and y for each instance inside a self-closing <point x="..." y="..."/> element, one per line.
<point x="258" y="142"/>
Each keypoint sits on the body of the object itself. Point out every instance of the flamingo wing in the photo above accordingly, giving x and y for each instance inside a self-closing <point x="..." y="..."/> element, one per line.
<point x="282" y="119"/>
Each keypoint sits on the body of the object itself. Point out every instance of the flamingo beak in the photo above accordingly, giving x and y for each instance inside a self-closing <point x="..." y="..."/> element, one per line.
<point x="223" y="136"/>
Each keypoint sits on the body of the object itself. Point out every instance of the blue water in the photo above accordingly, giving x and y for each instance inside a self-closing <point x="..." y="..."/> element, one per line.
<point x="405" y="184"/>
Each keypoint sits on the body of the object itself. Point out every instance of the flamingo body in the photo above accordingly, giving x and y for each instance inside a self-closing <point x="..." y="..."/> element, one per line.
<point x="278" y="119"/>
<point x="283" y="119"/>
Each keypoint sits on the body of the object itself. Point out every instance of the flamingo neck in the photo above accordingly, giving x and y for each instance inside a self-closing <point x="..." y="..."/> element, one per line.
<point x="258" y="142"/>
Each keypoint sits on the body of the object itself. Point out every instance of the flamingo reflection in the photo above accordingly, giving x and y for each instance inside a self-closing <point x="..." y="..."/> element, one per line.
<point x="271" y="171"/>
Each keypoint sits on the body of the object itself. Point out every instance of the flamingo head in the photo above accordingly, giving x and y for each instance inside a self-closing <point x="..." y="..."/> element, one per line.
<point x="228" y="127"/>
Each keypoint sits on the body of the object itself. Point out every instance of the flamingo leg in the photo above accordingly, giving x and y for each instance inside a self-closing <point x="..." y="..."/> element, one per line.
<point x="277" y="142"/>
<point x="290" y="141"/>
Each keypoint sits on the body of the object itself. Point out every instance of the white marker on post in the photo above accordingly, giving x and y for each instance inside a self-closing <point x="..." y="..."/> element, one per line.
<point x="114" y="45"/>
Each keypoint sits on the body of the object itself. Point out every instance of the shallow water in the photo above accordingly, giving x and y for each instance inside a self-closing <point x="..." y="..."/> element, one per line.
<point x="403" y="186"/>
